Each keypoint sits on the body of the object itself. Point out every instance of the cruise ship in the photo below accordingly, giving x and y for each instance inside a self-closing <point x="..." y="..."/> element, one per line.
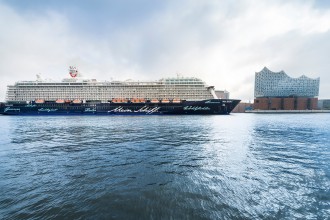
<point x="78" y="96"/>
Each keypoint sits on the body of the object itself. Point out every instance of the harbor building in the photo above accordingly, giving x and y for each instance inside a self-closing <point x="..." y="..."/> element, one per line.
<point x="243" y="107"/>
<point x="278" y="91"/>
<point x="222" y="94"/>
<point x="324" y="104"/>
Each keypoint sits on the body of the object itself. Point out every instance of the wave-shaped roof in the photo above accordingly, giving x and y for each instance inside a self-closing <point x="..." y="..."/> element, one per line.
<point x="275" y="84"/>
<point x="265" y="69"/>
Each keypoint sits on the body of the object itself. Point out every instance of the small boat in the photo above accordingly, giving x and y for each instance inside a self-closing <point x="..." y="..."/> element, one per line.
<point x="114" y="100"/>
<point x="176" y="100"/>
<point x="60" y="101"/>
<point x="39" y="101"/>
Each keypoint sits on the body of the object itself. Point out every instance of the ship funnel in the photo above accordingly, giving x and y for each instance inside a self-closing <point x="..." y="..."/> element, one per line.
<point x="73" y="71"/>
<point x="38" y="77"/>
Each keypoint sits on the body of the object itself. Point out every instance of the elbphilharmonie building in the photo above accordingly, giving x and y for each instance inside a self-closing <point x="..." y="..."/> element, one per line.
<point x="278" y="91"/>
<point x="279" y="84"/>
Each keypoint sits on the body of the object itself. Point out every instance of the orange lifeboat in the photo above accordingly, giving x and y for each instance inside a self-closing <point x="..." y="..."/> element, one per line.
<point x="119" y="100"/>
<point x="60" y="101"/>
<point x="67" y="101"/>
<point x="134" y="100"/>
<point x="165" y="101"/>
<point x="176" y="101"/>
<point x="142" y="100"/>
<point x="77" y="101"/>
<point x="154" y="101"/>
<point x="114" y="100"/>
<point x="40" y="101"/>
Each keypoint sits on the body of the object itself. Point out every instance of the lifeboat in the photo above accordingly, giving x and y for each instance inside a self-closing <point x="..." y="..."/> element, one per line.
<point x="176" y="100"/>
<point x="67" y="101"/>
<point x="154" y="101"/>
<point x="60" y="101"/>
<point x="76" y="101"/>
<point x="119" y="100"/>
<point x="165" y="101"/>
<point x="40" y="101"/>
<point x="114" y="100"/>
<point x="142" y="100"/>
<point x="135" y="100"/>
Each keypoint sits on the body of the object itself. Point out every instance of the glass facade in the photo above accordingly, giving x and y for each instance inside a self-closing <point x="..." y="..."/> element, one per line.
<point x="279" y="84"/>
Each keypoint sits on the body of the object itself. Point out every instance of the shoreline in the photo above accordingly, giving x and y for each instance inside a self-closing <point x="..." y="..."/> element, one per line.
<point x="286" y="111"/>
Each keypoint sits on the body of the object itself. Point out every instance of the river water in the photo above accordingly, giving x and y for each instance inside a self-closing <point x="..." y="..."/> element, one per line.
<point x="238" y="166"/>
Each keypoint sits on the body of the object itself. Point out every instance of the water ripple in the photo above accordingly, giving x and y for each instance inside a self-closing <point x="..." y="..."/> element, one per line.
<point x="240" y="166"/>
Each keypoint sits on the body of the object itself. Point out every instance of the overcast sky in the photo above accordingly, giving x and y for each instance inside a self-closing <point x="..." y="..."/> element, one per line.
<point x="222" y="42"/>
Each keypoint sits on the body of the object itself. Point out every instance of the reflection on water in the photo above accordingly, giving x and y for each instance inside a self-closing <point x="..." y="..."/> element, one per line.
<point x="180" y="167"/>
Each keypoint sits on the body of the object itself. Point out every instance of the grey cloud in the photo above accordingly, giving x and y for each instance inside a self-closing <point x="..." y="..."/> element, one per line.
<point x="221" y="42"/>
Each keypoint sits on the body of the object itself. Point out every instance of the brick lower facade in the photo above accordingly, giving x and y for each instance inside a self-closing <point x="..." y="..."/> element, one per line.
<point x="285" y="103"/>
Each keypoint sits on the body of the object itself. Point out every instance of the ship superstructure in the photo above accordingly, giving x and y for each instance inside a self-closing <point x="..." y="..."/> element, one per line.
<point x="184" y="88"/>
